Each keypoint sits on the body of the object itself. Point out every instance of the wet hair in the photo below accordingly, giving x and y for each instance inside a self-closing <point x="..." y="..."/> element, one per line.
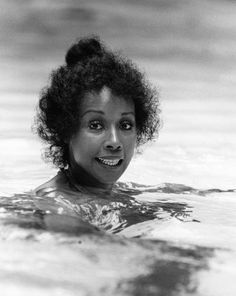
<point x="89" y="67"/>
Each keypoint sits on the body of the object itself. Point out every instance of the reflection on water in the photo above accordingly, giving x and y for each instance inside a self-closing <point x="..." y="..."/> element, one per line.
<point x="131" y="206"/>
<point x="111" y="213"/>
<point x="53" y="230"/>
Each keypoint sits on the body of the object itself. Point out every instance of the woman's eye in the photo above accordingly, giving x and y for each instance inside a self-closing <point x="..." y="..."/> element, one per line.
<point x="95" y="125"/>
<point x="126" y="125"/>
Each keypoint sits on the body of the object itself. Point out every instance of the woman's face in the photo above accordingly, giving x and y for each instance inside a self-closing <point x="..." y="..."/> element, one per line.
<point x="104" y="143"/>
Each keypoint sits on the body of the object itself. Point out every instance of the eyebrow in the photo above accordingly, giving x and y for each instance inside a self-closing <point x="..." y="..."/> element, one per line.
<point x="96" y="111"/>
<point x="101" y="112"/>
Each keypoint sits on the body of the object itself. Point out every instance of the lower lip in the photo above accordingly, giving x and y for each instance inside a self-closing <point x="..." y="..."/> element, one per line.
<point x="109" y="166"/>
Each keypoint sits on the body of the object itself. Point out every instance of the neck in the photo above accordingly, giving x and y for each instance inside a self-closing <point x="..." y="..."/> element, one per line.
<point x="79" y="177"/>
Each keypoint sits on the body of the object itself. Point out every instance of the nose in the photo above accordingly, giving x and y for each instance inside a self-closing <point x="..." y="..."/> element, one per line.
<point x="112" y="141"/>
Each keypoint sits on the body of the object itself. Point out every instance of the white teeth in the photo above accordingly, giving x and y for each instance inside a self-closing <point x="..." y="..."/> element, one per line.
<point x="111" y="162"/>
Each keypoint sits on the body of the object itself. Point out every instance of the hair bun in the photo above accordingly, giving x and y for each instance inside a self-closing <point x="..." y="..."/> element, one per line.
<point x="84" y="49"/>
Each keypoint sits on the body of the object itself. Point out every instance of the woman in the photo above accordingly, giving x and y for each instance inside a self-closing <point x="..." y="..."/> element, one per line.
<point x="96" y="110"/>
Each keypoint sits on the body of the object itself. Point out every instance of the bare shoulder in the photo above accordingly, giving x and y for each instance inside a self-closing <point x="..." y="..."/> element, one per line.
<point x="56" y="183"/>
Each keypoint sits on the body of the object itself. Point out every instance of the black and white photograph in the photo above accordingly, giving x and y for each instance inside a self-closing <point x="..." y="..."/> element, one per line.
<point x="117" y="148"/>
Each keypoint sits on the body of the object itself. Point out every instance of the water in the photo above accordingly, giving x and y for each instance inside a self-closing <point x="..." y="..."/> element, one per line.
<point x="169" y="240"/>
<point x="173" y="235"/>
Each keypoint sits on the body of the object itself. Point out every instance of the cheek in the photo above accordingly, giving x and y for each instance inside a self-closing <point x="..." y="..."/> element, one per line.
<point x="130" y="144"/>
<point x="85" y="146"/>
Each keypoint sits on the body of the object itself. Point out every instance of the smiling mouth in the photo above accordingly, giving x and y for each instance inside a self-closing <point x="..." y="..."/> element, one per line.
<point x="109" y="162"/>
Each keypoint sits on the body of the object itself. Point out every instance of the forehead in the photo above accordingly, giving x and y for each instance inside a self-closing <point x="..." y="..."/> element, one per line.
<point x="106" y="101"/>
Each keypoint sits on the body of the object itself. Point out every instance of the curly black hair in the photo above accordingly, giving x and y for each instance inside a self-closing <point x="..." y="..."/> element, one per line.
<point x="89" y="67"/>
